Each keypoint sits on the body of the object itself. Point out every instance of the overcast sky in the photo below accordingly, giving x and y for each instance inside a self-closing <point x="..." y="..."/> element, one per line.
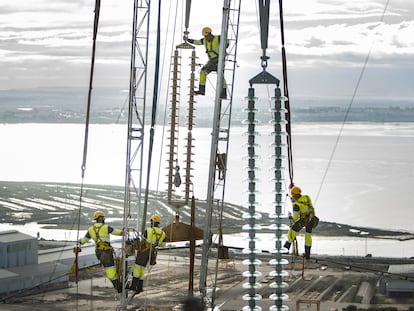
<point x="47" y="43"/>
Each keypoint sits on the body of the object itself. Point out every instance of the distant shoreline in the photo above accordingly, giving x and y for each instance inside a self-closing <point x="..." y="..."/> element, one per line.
<point x="59" y="210"/>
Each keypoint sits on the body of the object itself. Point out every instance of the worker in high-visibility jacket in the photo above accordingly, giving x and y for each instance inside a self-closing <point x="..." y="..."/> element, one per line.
<point x="303" y="216"/>
<point x="153" y="238"/>
<point x="99" y="232"/>
<point x="212" y="45"/>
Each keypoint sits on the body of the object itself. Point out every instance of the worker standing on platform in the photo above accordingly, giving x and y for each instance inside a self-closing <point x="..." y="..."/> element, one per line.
<point x="100" y="232"/>
<point x="153" y="237"/>
<point x="212" y="45"/>
<point x="303" y="216"/>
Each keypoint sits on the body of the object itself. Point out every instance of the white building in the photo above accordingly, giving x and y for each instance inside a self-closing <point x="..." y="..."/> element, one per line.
<point x="19" y="267"/>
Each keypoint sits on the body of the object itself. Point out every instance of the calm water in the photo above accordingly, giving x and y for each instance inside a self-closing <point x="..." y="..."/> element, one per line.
<point x="364" y="177"/>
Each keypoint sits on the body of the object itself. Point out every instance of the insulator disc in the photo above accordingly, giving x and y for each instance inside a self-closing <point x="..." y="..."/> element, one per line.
<point x="277" y="308"/>
<point x="250" y="168"/>
<point x="248" y="274"/>
<point x="278" y="156"/>
<point x="281" y="109"/>
<point x="280" y="98"/>
<point x="255" y="156"/>
<point x="278" y="179"/>
<point x="250" y="122"/>
<point x="278" y="261"/>
<point x="279" y="273"/>
<point x="250" y="109"/>
<point x="251" y="251"/>
<point x="281" y="285"/>
<point x="254" y="285"/>
<point x="256" y="308"/>
<point x="278" y="144"/>
<point x="277" y="216"/>
<point x="255" y="297"/>
<point x="256" y="262"/>
<point x="279" y="227"/>
<point x="279" y="121"/>
<point x="247" y="98"/>
<point x="249" y="227"/>
<point x="252" y="216"/>
<point x="255" y="133"/>
<point x="279" y="168"/>
<point x="278" y="297"/>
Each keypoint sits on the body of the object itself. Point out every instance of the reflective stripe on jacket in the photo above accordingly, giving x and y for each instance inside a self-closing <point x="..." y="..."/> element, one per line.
<point x="304" y="208"/>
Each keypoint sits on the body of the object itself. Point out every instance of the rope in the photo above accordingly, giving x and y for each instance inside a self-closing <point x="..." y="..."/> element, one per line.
<point x="154" y="113"/>
<point x="286" y="93"/>
<point x="85" y="145"/>
<point x="349" y="107"/>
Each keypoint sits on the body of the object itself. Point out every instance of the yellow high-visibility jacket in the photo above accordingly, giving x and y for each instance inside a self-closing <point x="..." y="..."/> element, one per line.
<point x="303" y="208"/>
<point x="99" y="232"/>
<point x="212" y="47"/>
<point x="154" y="237"/>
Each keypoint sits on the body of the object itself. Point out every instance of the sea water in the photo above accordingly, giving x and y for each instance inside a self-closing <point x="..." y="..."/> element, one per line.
<point x="359" y="174"/>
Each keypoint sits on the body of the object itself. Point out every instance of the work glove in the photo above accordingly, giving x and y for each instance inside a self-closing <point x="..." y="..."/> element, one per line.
<point x="77" y="249"/>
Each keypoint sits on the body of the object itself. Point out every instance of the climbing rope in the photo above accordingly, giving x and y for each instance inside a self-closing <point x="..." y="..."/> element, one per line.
<point x="85" y="144"/>
<point x="153" y="114"/>
<point x="286" y="94"/>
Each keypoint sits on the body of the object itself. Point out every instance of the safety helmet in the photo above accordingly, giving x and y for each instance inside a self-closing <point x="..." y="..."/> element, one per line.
<point x="206" y="31"/>
<point x="156" y="218"/>
<point x="295" y="191"/>
<point x="98" y="214"/>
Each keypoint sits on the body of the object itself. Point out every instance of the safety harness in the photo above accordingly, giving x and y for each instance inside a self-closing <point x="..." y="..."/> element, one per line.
<point x="100" y="244"/>
<point x="212" y="47"/>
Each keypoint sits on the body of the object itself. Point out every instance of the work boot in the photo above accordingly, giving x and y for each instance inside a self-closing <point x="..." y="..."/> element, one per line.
<point x="287" y="245"/>
<point x="201" y="90"/>
<point x="137" y="285"/>
<point x="117" y="285"/>
<point x="307" y="251"/>
<point x="223" y="94"/>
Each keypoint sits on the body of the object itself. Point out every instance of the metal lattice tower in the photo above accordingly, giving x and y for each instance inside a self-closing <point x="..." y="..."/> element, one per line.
<point x="220" y="140"/>
<point x="136" y="121"/>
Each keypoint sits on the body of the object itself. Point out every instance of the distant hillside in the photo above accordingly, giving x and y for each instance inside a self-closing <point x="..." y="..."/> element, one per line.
<point x="68" y="105"/>
<point x="58" y="204"/>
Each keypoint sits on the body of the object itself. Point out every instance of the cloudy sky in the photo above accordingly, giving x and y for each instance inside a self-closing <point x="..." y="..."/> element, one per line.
<point x="47" y="43"/>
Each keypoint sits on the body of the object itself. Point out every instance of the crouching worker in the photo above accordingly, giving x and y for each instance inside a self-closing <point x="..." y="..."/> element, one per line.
<point x="303" y="216"/>
<point x="153" y="237"/>
<point x="100" y="232"/>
